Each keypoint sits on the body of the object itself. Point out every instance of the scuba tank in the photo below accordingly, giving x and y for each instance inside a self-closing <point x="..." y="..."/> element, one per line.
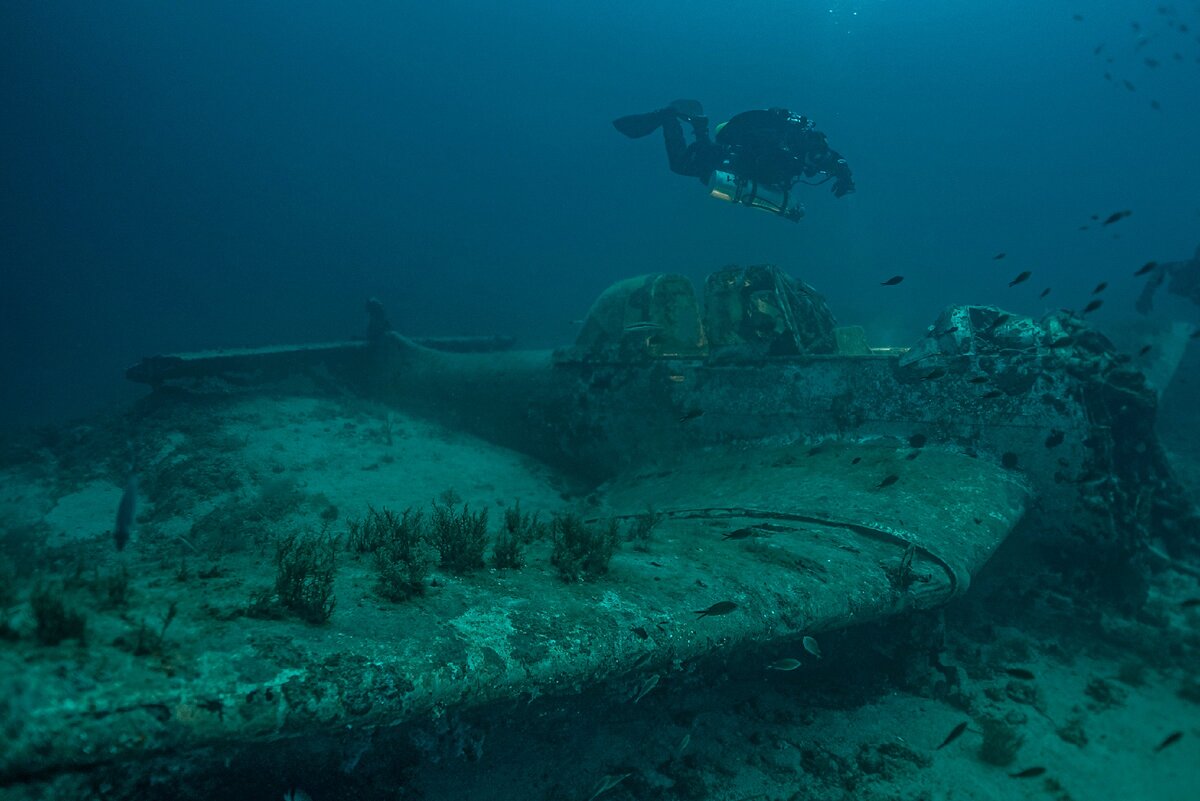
<point x="729" y="186"/>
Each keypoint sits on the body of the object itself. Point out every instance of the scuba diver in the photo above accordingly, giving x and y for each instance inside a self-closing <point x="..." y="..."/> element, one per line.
<point x="756" y="158"/>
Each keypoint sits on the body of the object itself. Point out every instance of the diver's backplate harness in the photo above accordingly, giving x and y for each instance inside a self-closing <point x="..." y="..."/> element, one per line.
<point x="764" y="164"/>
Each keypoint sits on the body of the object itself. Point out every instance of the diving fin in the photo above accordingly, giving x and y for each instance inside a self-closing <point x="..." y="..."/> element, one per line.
<point x="635" y="126"/>
<point x="687" y="108"/>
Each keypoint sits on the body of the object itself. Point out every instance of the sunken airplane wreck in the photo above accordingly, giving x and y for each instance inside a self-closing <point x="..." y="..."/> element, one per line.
<point x="756" y="406"/>
<point x="804" y="482"/>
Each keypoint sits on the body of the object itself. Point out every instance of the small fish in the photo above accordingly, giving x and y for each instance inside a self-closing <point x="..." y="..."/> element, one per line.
<point x="918" y="440"/>
<point x="719" y="608"/>
<point x="1195" y="334"/>
<point x="1128" y="85"/>
<point x="1045" y="292"/>
<point x="999" y="256"/>
<point x="1100" y="287"/>
<point x="691" y="414"/>
<point x="1019" y="673"/>
<point x="1171" y="739"/>
<point x="1145" y="268"/>
<point x="815" y="449"/>
<point x="1092" y="306"/>
<point x="991" y="393"/>
<point x="949" y="330"/>
<point x="888" y="481"/>
<point x="1008" y="460"/>
<point x="954" y="734"/>
<point x="1055" y="439"/>
<point x="741" y="533"/>
<point x="784" y="664"/>
<point x="1117" y="215"/>
<point x="895" y="279"/>
<point x="1190" y="603"/>
<point x="979" y="379"/>
<point x="1077" y="17"/>
<point x="649" y="684"/>
<point x="934" y="374"/>
<point x="634" y="328"/>
<point x="1020" y="279"/>
<point x="1001" y="319"/>
<point x="608" y="782"/>
<point x="1098" y="49"/>
<point x="1145" y="349"/>
<point x="1028" y="773"/>
<point x="812" y="646"/>
<point x="126" y="510"/>
<point x="856" y="460"/>
<point x="1150" y="62"/>
<point x="912" y="455"/>
<point x="1063" y="341"/>
<point x="1154" y="104"/>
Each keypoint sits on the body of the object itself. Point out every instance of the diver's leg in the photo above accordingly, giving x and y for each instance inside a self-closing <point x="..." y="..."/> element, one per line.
<point x="677" y="155"/>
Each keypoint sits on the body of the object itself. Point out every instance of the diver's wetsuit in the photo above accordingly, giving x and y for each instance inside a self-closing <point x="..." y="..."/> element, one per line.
<point x="698" y="159"/>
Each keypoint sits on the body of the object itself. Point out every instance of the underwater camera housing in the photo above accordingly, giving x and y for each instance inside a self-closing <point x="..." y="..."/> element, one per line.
<point x="729" y="186"/>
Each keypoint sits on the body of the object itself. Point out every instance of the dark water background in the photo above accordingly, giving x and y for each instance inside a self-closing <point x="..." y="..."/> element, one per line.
<point x="189" y="175"/>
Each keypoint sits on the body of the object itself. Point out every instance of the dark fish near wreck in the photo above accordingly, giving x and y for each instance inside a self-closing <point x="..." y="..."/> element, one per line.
<point x="812" y="646"/>
<point x="895" y="279"/>
<point x="1045" y="292"/>
<point x="888" y="481"/>
<point x="991" y="393"/>
<point x="1190" y="603"/>
<point x="1117" y="215"/>
<point x="1028" y="773"/>
<point x="1172" y="738"/>
<point x="954" y="734"/>
<point x="1019" y="673"/>
<point x="1055" y="439"/>
<point x="934" y="374"/>
<point x="1091" y="307"/>
<point x="1145" y="268"/>
<point x="1009" y="460"/>
<point x="999" y="256"/>
<point x="1100" y="287"/>
<point x="856" y="460"/>
<point x="913" y="455"/>
<point x="1020" y="279"/>
<point x="125" y="513"/>
<point x="918" y="440"/>
<point x="1145" y="349"/>
<point x="979" y="379"/>
<point x="690" y="415"/>
<point x="742" y="533"/>
<point x="719" y="608"/>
